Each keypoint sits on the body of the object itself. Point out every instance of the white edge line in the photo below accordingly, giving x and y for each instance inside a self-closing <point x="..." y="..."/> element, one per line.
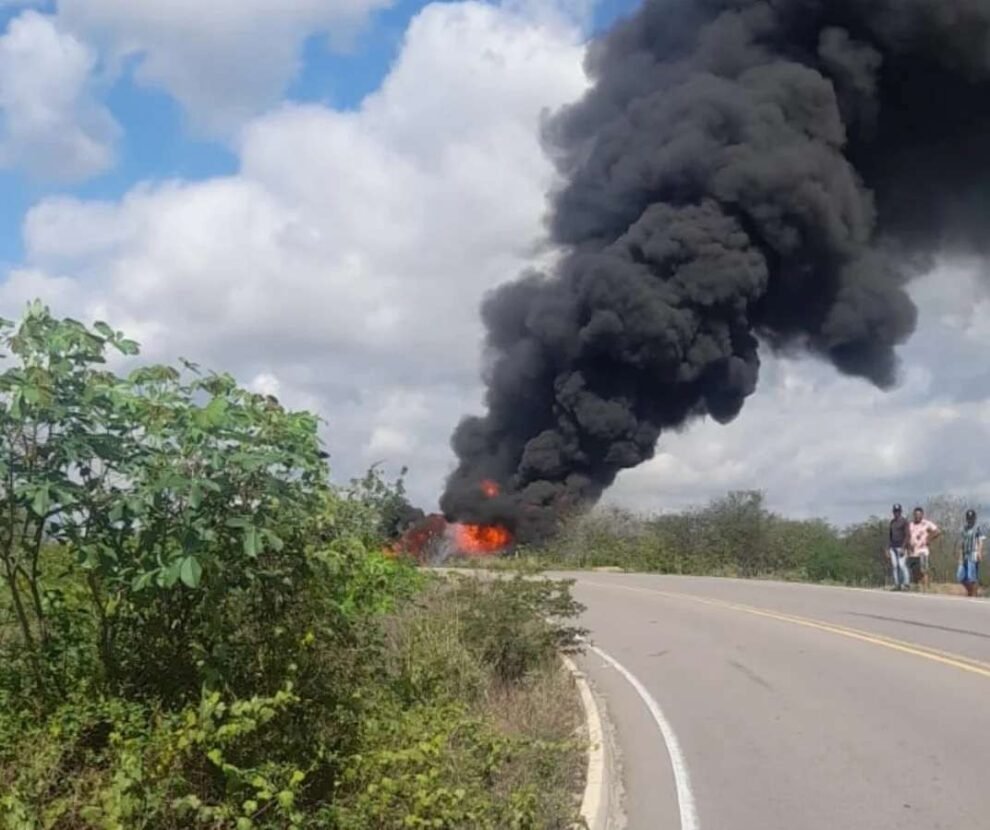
<point x="682" y="780"/>
<point x="594" y="802"/>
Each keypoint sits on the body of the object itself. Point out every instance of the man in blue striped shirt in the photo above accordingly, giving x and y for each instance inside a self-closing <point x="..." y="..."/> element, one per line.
<point x="970" y="547"/>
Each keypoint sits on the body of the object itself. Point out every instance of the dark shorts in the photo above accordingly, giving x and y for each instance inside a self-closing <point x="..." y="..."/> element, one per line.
<point x="917" y="566"/>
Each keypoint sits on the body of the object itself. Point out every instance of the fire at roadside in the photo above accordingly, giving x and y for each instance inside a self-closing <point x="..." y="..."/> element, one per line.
<point x="433" y="540"/>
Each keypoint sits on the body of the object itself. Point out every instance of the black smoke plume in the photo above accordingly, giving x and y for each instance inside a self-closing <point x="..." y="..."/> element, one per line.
<point x="741" y="175"/>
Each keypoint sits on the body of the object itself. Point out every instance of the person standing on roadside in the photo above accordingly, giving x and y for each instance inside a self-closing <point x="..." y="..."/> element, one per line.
<point x="897" y="549"/>
<point x="970" y="549"/>
<point x="921" y="533"/>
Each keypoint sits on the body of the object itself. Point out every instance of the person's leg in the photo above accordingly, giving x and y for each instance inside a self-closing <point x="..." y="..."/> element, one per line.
<point x="924" y="571"/>
<point x="902" y="567"/>
<point x="968" y="575"/>
<point x="896" y="567"/>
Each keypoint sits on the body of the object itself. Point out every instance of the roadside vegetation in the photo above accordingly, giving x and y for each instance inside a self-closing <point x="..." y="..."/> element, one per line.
<point x="198" y="631"/>
<point x="738" y="536"/>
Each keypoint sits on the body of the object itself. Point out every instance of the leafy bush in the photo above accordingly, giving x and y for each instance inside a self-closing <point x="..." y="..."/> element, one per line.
<point x="117" y="764"/>
<point x="421" y="767"/>
<point x="464" y="635"/>
<point x="170" y="502"/>
<point x="431" y="756"/>
<point x="110" y="761"/>
<point x="515" y="626"/>
<point x="198" y="631"/>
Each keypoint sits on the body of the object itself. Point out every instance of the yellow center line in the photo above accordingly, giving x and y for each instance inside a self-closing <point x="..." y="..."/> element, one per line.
<point x="947" y="658"/>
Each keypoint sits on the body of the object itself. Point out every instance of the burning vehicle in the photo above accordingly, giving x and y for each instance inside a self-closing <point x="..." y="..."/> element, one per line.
<point x="434" y="540"/>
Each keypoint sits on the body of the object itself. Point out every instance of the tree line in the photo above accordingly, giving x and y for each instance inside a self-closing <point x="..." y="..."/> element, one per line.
<point x="737" y="535"/>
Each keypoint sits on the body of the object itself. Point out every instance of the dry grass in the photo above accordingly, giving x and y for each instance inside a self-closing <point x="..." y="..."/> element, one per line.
<point x="547" y="707"/>
<point x="433" y="656"/>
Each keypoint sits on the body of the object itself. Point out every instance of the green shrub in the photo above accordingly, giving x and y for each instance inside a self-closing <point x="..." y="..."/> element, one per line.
<point x="114" y="764"/>
<point x="198" y="631"/>
<point x="381" y="728"/>
<point x="463" y="634"/>
<point x="426" y="654"/>
<point x="431" y="756"/>
<point x="516" y="626"/>
<point x="439" y="767"/>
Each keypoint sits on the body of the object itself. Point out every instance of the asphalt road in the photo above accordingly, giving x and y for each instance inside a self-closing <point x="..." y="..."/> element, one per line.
<point x="792" y="707"/>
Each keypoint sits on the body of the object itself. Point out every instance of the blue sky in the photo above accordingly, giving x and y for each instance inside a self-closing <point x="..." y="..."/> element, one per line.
<point x="157" y="141"/>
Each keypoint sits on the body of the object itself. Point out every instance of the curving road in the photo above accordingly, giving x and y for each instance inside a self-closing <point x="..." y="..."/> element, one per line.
<point x="791" y="707"/>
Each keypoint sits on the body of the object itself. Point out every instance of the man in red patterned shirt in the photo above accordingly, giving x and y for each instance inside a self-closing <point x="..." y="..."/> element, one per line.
<point x="921" y="533"/>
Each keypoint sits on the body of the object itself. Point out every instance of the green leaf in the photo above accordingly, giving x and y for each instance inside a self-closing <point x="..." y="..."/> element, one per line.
<point x="191" y="572"/>
<point x="273" y="540"/>
<point x="103" y="329"/>
<point x="128" y="347"/>
<point x="171" y="574"/>
<point x="42" y="501"/>
<point x="215" y="411"/>
<point x="140" y="583"/>
<point x="252" y="542"/>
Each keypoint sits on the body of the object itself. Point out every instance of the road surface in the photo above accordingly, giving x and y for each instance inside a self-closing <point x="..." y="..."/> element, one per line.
<point x="792" y="707"/>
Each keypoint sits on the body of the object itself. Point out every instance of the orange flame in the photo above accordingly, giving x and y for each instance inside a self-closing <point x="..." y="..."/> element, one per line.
<point x="489" y="488"/>
<point x="418" y="539"/>
<point x="481" y="539"/>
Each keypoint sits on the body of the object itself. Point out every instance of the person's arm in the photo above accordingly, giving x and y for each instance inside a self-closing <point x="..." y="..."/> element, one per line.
<point x="933" y="532"/>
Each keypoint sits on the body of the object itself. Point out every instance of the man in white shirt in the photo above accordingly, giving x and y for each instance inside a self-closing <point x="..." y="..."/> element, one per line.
<point x="921" y="533"/>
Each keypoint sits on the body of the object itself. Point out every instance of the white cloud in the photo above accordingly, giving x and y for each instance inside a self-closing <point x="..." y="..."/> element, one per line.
<point x="51" y="125"/>
<point x="224" y="60"/>
<point x="342" y="268"/>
